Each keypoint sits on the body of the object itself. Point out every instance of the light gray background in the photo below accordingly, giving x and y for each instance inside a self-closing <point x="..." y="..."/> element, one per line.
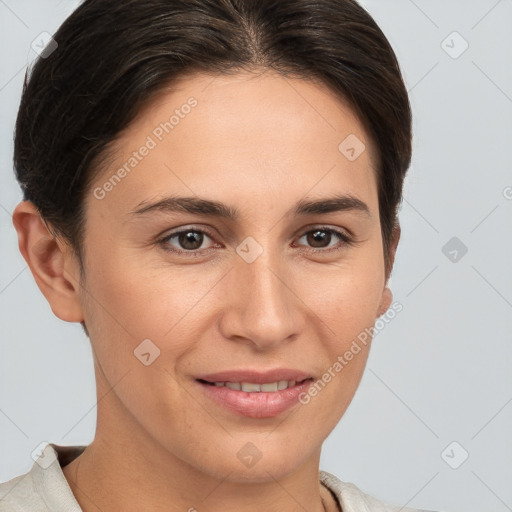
<point x="439" y="372"/>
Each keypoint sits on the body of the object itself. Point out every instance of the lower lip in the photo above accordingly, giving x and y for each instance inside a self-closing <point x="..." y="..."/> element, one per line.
<point x="258" y="404"/>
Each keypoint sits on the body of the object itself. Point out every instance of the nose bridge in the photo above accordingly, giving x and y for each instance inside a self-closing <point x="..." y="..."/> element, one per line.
<point x="262" y="308"/>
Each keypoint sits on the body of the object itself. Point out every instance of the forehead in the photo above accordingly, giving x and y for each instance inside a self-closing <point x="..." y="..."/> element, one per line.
<point x="265" y="104"/>
<point x="264" y="132"/>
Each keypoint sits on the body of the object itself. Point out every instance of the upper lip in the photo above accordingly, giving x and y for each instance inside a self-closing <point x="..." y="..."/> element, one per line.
<point x="255" y="376"/>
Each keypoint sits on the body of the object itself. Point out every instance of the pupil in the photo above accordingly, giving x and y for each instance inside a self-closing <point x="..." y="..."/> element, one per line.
<point x="190" y="239"/>
<point x="319" y="236"/>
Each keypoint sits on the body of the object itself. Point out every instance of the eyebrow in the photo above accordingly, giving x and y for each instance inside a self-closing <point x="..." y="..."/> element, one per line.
<point x="201" y="206"/>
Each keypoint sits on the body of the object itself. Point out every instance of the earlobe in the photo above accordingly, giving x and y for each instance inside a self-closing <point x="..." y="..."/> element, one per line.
<point x="51" y="262"/>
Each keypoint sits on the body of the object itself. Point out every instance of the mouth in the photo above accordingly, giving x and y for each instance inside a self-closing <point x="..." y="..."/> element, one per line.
<point x="254" y="399"/>
<point x="253" y="387"/>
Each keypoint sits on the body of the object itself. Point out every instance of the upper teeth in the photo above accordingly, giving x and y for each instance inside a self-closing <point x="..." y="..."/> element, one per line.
<point x="251" y="387"/>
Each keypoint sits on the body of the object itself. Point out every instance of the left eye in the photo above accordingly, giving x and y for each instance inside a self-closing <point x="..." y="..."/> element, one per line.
<point x="320" y="235"/>
<point x="191" y="240"/>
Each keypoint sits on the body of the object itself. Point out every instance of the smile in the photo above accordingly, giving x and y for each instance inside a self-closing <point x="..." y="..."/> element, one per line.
<point x="251" y="387"/>
<point x="255" y="400"/>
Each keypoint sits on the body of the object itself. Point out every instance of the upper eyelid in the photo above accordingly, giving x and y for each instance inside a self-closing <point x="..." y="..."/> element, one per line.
<point x="178" y="231"/>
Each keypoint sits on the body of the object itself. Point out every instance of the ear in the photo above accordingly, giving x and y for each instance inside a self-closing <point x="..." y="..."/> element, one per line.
<point x="51" y="261"/>
<point x="387" y="295"/>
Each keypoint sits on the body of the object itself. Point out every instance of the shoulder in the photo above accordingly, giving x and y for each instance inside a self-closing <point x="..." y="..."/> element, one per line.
<point x="43" y="489"/>
<point x="353" y="499"/>
<point x="20" y="494"/>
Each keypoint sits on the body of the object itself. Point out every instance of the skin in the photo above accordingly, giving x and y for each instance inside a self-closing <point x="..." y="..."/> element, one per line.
<point x="259" y="143"/>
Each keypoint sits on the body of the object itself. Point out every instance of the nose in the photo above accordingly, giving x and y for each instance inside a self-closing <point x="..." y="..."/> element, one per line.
<point x="261" y="308"/>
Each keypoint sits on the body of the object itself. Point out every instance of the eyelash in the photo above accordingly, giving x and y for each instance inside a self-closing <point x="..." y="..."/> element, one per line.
<point x="164" y="241"/>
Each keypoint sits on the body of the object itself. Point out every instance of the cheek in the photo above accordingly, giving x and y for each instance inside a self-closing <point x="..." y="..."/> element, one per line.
<point x="349" y="296"/>
<point x="133" y="311"/>
<point x="132" y="299"/>
<point x="347" y="309"/>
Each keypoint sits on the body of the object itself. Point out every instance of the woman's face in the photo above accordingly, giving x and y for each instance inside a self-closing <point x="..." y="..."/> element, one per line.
<point x="264" y="288"/>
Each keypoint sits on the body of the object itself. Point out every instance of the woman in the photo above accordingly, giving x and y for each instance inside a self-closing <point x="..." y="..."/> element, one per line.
<point x="211" y="190"/>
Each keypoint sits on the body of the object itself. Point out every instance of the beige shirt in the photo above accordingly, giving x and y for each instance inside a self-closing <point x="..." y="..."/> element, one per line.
<point x="45" y="488"/>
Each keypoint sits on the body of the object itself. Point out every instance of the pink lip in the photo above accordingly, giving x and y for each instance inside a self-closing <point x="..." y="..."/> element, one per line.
<point x="258" y="404"/>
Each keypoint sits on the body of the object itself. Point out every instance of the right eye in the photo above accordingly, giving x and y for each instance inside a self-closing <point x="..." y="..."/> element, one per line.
<point x="188" y="241"/>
